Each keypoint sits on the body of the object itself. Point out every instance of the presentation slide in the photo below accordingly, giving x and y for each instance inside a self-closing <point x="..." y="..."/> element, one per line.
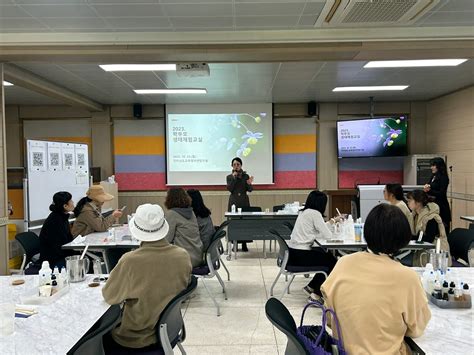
<point x="379" y="137"/>
<point x="201" y="141"/>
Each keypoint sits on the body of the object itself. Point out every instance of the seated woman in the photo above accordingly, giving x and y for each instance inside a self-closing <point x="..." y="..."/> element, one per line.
<point x="426" y="218"/>
<point x="378" y="301"/>
<point x="183" y="226"/>
<point x="203" y="216"/>
<point x="146" y="280"/>
<point x="56" y="231"/>
<point x="310" y="226"/>
<point x="393" y="194"/>
<point x="88" y="213"/>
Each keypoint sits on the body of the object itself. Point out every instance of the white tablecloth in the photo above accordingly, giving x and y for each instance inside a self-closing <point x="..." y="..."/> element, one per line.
<point x="57" y="326"/>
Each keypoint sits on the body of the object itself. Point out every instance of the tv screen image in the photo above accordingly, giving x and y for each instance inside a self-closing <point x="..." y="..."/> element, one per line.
<point x="374" y="137"/>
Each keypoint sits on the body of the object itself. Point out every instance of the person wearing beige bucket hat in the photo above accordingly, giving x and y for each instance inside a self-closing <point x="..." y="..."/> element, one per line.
<point x="88" y="212"/>
<point x="146" y="279"/>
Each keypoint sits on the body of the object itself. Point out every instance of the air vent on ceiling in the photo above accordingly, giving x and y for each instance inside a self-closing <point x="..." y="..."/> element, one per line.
<point x="370" y="13"/>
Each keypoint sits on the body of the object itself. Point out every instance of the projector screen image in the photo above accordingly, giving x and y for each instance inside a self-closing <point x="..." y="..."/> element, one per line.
<point x="377" y="137"/>
<point x="201" y="146"/>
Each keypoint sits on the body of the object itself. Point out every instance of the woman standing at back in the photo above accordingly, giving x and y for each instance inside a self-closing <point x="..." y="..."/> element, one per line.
<point x="437" y="188"/>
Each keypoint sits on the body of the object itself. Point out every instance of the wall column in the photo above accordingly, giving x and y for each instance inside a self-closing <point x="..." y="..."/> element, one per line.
<point x="101" y="127"/>
<point x="3" y="184"/>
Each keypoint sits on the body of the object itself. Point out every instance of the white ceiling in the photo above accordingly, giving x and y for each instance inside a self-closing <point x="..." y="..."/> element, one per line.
<point x="248" y="82"/>
<point x="188" y="15"/>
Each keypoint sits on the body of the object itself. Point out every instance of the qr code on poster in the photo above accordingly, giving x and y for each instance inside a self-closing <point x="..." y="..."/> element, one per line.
<point x="68" y="159"/>
<point x="81" y="159"/>
<point x="38" y="159"/>
<point x="54" y="159"/>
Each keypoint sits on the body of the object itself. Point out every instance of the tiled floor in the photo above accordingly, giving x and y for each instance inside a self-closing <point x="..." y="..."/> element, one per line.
<point x="243" y="327"/>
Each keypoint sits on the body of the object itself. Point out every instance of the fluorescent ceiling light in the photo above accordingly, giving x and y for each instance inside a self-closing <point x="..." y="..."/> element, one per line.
<point x="6" y="83"/>
<point x="170" y="91"/>
<point x="414" y="63"/>
<point x="138" y="67"/>
<point x="371" y="88"/>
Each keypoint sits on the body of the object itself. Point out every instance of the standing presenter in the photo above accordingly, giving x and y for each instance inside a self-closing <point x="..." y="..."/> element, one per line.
<point x="238" y="183"/>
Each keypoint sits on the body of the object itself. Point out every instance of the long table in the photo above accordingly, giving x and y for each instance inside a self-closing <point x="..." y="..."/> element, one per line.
<point x="101" y="242"/>
<point x="255" y="226"/>
<point x="58" y="326"/>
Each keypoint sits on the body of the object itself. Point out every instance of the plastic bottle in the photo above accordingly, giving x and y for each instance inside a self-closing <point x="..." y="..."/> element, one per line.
<point x="349" y="228"/>
<point x="44" y="274"/>
<point x="451" y="295"/>
<point x="431" y="282"/>
<point x="449" y="275"/>
<point x="425" y="276"/>
<point x="437" y="290"/>
<point x="445" y="288"/>
<point x="466" y="294"/>
<point x="458" y="294"/>
<point x="232" y="209"/>
<point x="64" y="278"/>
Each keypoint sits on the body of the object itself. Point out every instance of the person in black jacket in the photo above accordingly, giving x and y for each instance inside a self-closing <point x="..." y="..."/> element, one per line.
<point x="56" y="231"/>
<point x="437" y="189"/>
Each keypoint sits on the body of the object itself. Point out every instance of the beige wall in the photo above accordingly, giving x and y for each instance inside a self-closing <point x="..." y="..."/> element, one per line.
<point x="450" y="132"/>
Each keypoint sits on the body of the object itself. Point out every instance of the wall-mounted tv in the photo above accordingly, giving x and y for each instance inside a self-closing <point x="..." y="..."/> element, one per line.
<point x="372" y="137"/>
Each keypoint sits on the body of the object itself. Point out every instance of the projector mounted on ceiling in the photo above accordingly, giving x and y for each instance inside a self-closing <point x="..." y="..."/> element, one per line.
<point x="192" y="70"/>
<point x="371" y="13"/>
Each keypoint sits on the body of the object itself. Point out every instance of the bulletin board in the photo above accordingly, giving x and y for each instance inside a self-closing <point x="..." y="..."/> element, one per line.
<point x="53" y="167"/>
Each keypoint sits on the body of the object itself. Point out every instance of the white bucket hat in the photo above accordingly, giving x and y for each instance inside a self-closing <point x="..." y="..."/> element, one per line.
<point x="149" y="223"/>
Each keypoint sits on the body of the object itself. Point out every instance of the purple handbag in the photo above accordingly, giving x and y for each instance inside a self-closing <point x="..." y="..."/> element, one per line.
<point x="315" y="337"/>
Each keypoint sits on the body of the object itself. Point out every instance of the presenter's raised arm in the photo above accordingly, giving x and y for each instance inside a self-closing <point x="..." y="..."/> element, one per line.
<point x="231" y="180"/>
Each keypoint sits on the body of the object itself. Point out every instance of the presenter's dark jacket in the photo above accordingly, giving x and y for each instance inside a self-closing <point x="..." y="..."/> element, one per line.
<point x="439" y="188"/>
<point x="238" y="187"/>
<point x="54" y="234"/>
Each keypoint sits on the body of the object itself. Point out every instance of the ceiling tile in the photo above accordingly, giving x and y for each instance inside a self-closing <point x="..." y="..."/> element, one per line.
<point x="258" y="21"/>
<point x="451" y="17"/>
<point x="458" y="5"/>
<point x="138" y="22"/>
<point x="59" y="10"/>
<point x="135" y="10"/>
<point x="313" y="8"/>
<point x="307" y="21"/>
<point x="75" y="23"/>
<point x="209" y="10"/>
<point x="21" y="23"/>
<point x="12" y="11"/>
<point x="263" y="9"/>
<point x="208" y="22"/>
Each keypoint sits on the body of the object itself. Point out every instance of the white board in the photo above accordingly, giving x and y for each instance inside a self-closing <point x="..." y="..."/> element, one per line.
<point x="53" y="167"/>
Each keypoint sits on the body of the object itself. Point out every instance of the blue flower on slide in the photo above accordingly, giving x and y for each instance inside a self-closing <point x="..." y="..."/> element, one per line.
<point x="243" y="146"/>
<point x="393" y="133"/>
<point x="252" y="138"/>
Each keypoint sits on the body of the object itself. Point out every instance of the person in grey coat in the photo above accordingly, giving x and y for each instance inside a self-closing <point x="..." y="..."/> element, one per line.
<point x="183" y="225"/>
<point x="203" y="216"/>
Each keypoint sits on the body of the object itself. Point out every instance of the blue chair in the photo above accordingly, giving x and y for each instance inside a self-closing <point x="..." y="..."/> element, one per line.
<point x="291" y="271"/>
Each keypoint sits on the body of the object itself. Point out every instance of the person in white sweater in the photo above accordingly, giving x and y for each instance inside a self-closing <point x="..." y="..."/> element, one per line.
<point x="393" y="194"/>
<point x="310" y="227"/>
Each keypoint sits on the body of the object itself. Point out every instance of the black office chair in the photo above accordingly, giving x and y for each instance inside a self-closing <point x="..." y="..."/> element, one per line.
<point x="252" y="209"/>
<point x="210" y="269"/>
<point x="278" y="208"/>
<point x="281" y="318"/>
<point x="289" y="225"/>
<point x="113" y="255"/>
<point x="289" y="270"/>
<point x="91" y="343"/>
<point x="30" y="243"/>
<point x="170" y="327"/>
<point x="460" y="241"/>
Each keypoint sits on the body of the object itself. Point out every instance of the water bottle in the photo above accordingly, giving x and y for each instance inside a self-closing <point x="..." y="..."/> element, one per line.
<point x="44" y="274"/>
<point x="232" y="209"/>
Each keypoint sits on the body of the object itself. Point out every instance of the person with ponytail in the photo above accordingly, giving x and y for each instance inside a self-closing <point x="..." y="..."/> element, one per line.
<point x="56" y="231"/>
<point x="393" y="194"/>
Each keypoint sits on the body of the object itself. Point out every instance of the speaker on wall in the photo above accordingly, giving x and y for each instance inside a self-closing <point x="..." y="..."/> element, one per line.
<point x="137" y="110"/>
<point x="313" y="109"/>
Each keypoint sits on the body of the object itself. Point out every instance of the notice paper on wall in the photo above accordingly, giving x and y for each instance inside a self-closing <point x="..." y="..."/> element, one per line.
<point x="54" y="156"/>
<point x="81" y="157"/>
<point x="68" y="156"/>
<point x="37" y="151"/>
